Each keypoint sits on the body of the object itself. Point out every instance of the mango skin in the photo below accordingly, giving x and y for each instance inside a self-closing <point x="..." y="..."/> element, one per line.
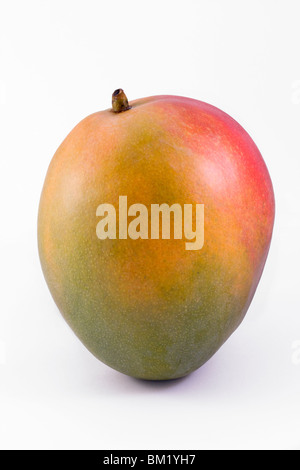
<point x="149" y="308"/>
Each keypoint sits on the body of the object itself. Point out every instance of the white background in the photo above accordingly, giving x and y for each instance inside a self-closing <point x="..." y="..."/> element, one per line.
<point x="60" y="61"/>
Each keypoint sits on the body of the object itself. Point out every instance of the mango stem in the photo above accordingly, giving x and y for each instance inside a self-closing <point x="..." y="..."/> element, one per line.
<point x="119" y="101"/>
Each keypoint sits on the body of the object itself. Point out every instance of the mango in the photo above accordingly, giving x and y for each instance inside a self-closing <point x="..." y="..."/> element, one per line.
<point x="136" y="297"/>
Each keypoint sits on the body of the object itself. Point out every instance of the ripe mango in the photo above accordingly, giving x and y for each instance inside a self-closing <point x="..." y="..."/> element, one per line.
<point x="148" y="307"/>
